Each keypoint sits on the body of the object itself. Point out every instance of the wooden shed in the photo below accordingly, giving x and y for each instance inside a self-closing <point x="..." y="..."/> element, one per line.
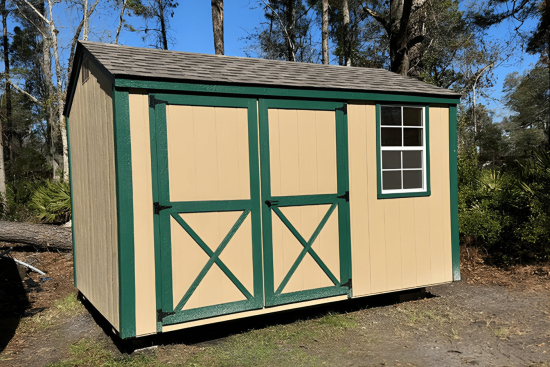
<point x="208" y="188"/>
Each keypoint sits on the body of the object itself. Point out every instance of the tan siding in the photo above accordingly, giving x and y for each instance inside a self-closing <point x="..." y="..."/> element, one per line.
<point x="144" y="232"/>
<point x="397" y="243"/>
<point x="94" y="194"/>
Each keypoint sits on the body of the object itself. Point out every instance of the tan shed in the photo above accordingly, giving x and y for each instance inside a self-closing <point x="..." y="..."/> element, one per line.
<point x="209" y="188"/>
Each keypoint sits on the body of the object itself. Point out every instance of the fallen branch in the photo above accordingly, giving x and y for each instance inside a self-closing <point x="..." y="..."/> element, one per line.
<point x="39" y="235"/>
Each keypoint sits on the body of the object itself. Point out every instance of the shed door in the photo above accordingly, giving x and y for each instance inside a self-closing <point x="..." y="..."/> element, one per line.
<point x="305" y="200"/>
<point x="208" y="206"/>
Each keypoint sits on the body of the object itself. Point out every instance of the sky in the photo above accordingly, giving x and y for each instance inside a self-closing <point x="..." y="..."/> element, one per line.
<point x="192" y="32"/>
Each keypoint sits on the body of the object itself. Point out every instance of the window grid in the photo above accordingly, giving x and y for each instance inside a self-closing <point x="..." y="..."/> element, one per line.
<point x="403" y="148"/>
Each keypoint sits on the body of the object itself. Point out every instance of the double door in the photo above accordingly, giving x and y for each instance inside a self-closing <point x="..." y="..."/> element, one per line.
<point x="251" y="203"/>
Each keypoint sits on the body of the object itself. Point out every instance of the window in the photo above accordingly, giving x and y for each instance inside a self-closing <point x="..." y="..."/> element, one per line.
<point x="85" y="72"/>
<point x="403" y="155"/>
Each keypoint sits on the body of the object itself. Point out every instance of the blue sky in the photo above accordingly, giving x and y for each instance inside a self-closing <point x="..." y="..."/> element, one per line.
<point x="192" y="32"/>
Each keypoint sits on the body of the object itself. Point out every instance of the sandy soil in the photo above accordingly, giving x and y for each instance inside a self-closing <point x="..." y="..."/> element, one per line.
<point x="494" y="317"/>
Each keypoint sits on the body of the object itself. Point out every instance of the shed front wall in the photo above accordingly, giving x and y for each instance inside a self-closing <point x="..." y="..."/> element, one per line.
<point x="94" y="193"/>
<point x="398" y="243"/>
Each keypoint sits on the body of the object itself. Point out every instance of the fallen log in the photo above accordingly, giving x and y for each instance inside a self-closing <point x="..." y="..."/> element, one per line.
<point x="39" y="235"/>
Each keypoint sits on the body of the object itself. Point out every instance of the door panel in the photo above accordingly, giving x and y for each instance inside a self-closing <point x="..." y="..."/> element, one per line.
<point x="208" y="206"/>
<point x="305" y="208"/>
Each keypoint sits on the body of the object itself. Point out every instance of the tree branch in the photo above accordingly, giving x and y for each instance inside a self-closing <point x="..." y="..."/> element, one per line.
<point x="379" y="18"/>
<point x="37" y="12"/>
<point x="283" y="26"/>
<point x="31" y="97"/>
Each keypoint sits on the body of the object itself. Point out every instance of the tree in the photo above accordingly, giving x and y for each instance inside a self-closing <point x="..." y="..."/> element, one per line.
<point x="285" y="34"/>
<point x="528" y="97"/>
<point x="396" y="21"/>
<point x="7" y="96"/>
<point x="217" y="25"/>
<point x="324" y="30"/>
<point x="156" y="14"/>
<point x="539" y="42"/>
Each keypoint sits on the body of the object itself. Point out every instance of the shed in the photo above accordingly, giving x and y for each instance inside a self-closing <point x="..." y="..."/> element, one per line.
<point x="208" y="188"/>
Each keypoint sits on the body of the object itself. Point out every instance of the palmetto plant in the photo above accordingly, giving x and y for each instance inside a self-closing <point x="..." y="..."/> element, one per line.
<point x="52" y="202"/>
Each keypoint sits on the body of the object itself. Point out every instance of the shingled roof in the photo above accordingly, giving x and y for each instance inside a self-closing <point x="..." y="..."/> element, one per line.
<point x="128" y="62"/>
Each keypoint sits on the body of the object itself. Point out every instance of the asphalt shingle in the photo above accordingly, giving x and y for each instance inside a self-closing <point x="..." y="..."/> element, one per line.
<point x="125" y="61"/>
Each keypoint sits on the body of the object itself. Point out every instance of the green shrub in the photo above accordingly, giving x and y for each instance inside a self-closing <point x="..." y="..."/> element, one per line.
<point x="52" y="202"/>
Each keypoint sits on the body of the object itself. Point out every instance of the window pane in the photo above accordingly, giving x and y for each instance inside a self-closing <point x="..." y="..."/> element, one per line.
<point x="391" y="160"/>
<point x="412" y="179"/>
<point x="391" y="180"/>
<point x="391" y="137"/>
<point x="390" y="116"/>
<point x="413" y="137"/>
<point x="412" y="116"/>
<point x="412" y="159"/>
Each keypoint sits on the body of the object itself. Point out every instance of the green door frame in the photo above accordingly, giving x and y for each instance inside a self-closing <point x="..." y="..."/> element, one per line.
<point x="168" y="313"/>
<point x="271" y="204"/>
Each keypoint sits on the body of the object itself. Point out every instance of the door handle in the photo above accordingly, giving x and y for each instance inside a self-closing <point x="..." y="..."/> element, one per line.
<point x="345" y="196"/>
<point x="272" y="202"/>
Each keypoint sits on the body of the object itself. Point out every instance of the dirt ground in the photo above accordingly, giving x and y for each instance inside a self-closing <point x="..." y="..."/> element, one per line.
<point x="494" y="317"/>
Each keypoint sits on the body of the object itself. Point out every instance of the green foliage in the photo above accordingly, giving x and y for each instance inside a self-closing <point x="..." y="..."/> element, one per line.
<point x="52" y="202"/>
<point x="505" y="209"/>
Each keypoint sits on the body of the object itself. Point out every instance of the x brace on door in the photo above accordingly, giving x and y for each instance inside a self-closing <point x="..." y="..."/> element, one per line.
<point x="214" y="258"/>
<point x="307" y="247"/>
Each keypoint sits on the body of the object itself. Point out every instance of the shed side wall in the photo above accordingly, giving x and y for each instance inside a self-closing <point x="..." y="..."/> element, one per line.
<point x="397" y="243"/>
<point x="94" y="193"/>
<point x="144" y="231"/>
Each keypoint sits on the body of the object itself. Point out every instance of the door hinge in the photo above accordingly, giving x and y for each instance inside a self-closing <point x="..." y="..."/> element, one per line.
<point x="272" y="202"/>
<point x="161" y="314"/>
<point x="153" y="101"/>
<point x="157" y="207"/>
<point x="344" y="108"/>
<point x="345" y="196"/>
<point x="346" y="284"/>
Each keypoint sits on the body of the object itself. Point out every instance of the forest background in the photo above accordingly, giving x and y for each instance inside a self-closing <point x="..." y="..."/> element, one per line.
<point x="495" y="53"/>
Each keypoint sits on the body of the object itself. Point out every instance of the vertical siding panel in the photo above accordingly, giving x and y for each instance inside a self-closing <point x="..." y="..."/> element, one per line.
<point x="274" y="152"/>
<point x="144" y="236"/>
<point x="394" y="271"/>
<point x="359" y="190"/>
<point x="206" y="163"/>
<point x="93" y="177"/>
<point x="446" y="193"/>
<point x="436" y="199"/>
<point x="307" y="152"/>
<point x="289" y="149"/>
<point x="408" y="242"/>
<point x="376" y="209"/>
<point x="422" y="235"/>
<point x="327" y="181"/>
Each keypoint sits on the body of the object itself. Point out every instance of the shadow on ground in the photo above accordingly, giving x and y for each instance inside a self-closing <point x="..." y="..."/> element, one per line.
<point x="13" y="299"/>
<point x="216" y="332"/>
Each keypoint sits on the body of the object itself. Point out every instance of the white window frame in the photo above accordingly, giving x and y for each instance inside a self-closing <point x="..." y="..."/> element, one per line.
<point x="402" y="148"/>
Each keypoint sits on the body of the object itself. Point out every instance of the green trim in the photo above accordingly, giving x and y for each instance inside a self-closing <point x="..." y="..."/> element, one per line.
<point x="453" y="175"/>
<point x="162" y="195"/>
<point x="428" y="191"/>
<point x="156" y="219"/>
<point x="71" y="185"/>
<point x="271" y="91"/>
<point x="214" y="258"/>
<point x="125" y="213"/>
<point x="274" y="296"/>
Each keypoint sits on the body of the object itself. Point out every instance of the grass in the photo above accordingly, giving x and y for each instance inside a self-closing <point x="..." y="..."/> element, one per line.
<point x="501" y="332"/>
<point x="65" y="307"/>
<point x="279" y="345"/>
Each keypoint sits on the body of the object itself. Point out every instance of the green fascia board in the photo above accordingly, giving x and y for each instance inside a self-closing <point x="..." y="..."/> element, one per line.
<point x="269" y="91"/>
<point x="71" y="186"/>
<point x="125" y="214"/>
<point x="453" y="175"/>
<point x="428" y="191"/>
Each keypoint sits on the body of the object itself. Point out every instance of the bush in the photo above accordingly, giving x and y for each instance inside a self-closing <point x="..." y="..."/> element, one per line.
<point x="52" y="202"/>
<point x="505" y="210"/>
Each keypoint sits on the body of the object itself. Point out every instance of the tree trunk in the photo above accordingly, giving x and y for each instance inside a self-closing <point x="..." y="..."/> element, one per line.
<point x="162" y="25"/>
<point x="120" y="20"/>
<point x="325" y="32"/>
<point x="291" y="26"/>
<point x="217" y="25"/>
<point x="41" y="235"/>
<point x="347" y="43"/>
<point x="7" y="94"/>
<point x="60" y="99"/>
<point x="86" y="29"/>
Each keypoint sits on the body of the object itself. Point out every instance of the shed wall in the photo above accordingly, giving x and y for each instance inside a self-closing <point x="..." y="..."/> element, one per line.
<point x="397" y="243"/>
<point x="94" y="193"/>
